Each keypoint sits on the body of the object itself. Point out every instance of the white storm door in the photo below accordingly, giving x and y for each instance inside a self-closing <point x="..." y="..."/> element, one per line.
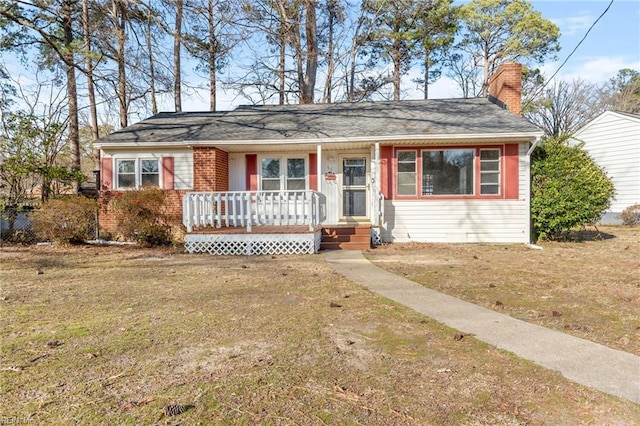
<point x="355" y="188"/>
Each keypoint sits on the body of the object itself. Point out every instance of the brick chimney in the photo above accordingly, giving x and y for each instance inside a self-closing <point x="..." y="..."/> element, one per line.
<point x="506" y="86"/>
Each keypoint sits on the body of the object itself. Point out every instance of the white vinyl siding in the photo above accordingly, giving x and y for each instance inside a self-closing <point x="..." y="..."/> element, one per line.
<point x="461" y="220"/>
<point x="182" y="163"/>
<point x="613" y="141"/>
<point x="456" y="221"/>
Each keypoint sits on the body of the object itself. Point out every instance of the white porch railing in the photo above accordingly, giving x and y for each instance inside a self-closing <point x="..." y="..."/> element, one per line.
<point x="251" y="208"/>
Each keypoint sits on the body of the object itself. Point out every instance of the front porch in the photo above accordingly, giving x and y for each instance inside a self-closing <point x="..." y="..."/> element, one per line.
<point x="266" y="223"/>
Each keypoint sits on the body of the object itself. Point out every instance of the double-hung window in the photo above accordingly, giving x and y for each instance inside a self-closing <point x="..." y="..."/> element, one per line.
<point x="131" y="174"/>
<point x="407" y="168"/>
<point x="489" y="172"/>
<point x="283" y="174"/>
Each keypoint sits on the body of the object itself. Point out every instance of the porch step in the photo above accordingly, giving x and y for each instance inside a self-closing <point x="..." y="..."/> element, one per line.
<point x="346" y="237"/>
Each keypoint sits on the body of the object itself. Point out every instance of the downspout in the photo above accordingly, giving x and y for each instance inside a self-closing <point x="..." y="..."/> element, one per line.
<point x="532" y="148"/>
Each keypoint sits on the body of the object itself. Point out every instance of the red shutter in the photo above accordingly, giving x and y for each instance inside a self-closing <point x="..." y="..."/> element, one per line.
<point x="512" y="172"/>
<point x="252" y="172"/>
<point x="167" y="173"/>
<point x="386" y="155"/>
<point x="313" y="172"/>
<point x="106" y="174"/>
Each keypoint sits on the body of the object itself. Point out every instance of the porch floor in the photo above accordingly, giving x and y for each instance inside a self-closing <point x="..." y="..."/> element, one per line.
<point x="267" y="229"/>
<point x="291" y="239"/>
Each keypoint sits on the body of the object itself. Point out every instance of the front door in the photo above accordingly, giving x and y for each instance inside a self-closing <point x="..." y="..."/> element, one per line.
<point x="355" y="188"/>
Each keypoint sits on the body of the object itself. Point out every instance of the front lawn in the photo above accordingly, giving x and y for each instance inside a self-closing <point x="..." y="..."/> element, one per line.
<point x="589" y="288"/>
<point x="116" y="335"/>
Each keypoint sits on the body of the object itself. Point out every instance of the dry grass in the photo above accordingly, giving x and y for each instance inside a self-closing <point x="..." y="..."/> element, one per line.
<point x="589" y="287"/>
<point x="104" y="335"/>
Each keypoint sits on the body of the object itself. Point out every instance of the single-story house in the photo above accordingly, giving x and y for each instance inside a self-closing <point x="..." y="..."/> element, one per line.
<point x="446" y="170"/>
<point x="613" y="141"/>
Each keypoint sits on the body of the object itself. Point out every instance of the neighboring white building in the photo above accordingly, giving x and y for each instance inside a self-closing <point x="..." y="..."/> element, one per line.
<point x="613" y="141"/>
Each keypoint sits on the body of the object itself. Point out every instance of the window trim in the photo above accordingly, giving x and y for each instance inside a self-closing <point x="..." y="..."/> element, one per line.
<point x="137" y="172"/>
<point x="415" y="171"/>
<point x="473" y="173"/>
<point x="476" y="172"/>
<point x="499" y="172"/>
<point x="284" y="171"/>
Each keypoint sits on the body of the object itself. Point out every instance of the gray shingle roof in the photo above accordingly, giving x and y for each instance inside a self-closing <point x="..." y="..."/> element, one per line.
<point x="326" y="121"/>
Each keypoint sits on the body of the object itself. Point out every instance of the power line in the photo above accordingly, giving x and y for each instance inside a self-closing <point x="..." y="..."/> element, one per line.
<point x="574" y="50"/>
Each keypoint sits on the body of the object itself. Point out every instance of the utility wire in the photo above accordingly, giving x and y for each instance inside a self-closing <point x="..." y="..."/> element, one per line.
<point x="570" y="54"/>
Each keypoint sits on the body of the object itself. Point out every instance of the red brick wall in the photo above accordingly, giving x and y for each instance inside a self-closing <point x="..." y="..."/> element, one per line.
<point x="210" y="173"/>
<point x="506" y="85"/>
<point x="172" y="211"/>
<point x="210" y="169"/>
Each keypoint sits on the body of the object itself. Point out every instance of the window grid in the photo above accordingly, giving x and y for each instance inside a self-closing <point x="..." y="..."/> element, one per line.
<point x="282" y="173"/>
<point x="407" y="172"/>
<point x="134" y="173"/>
<point x="490" y="171"/>
<point x="149" y="172"/>
<point x="126" y="171"/>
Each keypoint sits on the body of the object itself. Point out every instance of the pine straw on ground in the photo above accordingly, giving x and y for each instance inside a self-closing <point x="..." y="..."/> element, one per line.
<point x="113" y="335"/>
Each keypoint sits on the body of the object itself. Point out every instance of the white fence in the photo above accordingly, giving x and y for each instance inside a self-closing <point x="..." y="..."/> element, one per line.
<point x="251" y="208"/>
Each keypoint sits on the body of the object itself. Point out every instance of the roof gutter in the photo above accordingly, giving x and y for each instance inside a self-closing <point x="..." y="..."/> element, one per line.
<point x="296" y="141"/>
<point x="534" y="146"/>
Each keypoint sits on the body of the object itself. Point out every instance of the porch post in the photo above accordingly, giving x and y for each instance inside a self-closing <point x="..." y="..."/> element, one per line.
<point x="319" y="167"/>
<point x="375" y="184"/>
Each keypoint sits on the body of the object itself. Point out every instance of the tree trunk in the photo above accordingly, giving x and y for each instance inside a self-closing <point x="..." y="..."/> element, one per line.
<point x="351" y="75"/>
<point x="177" y="42"/>
<point x="307" y="90"/>
<point x="281" y="70"/>
<point x="119" y="19"/>
<point x="213" y="49"/>
<point x="485" y="68"/>
<point x="72" y="92"/>
<point x="396" y="73"/>
<point x="93" y="112"/>
<point x="426" y="75"/>
<point x="152" y="72"/>
<point x="328" y="84"/>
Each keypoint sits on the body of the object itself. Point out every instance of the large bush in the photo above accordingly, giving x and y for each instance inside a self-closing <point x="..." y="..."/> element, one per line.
<point x="568" y="189"/>
<point x="69" y="219"/>
<point x="139" y="216"/>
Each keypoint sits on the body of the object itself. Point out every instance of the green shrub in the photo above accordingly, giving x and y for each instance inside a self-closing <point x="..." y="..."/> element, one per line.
<point x="631" y="215"/>
<point x="139" y="216"/>
<point x="568" y="188"/>
<point x="68" y="219"/>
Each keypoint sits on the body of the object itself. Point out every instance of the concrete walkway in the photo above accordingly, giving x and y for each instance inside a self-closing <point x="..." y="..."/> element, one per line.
<point x="590" y="364"/>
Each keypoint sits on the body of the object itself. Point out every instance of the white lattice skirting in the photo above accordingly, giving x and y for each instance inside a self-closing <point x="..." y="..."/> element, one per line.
<point x="253" y="244"/>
